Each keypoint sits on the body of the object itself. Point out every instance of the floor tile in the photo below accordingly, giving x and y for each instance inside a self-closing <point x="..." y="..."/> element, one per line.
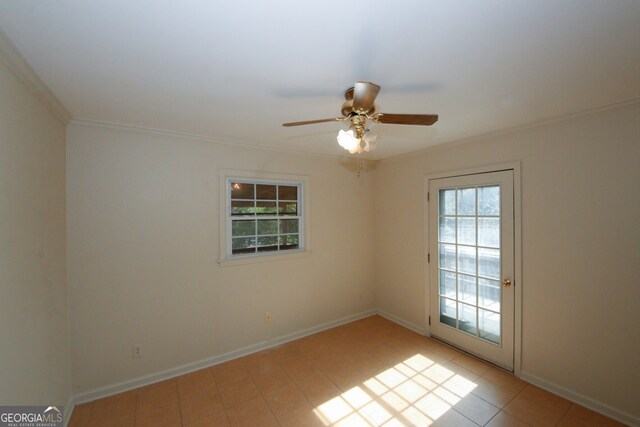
<point x="272" y="379"/>
<point x="504" y="419"/>
<point x="546" y="399"/>
<point x="108" y="421"/>
<point x="200" y="406"/>
<point x="493" y="393"/>
<point x="116" y="406"/>
<point x="195" y="383"/>
<point x="588" y="417"/>
<point x="81" y="414"/>
<point x="318" y="388"/>
<point x="304" y="416"/>
<point x="238" y="392"/>
<point x="532" y="412"/>
<point x="157" y="395"/>
<point x="471" y="363"/>
<point x="299" y="369"/>
<point x="285" y="399"/>
<point x="163" y="416"/>
<point x="229" y="372"/>
<point x="252" y="413"/>
<point x="504" y="379"/>
<point x="217" y="419"/>
<point x="477" y="410"/>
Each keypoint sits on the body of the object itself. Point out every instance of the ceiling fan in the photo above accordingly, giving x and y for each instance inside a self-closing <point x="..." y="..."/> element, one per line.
<point x="357" y="108"/>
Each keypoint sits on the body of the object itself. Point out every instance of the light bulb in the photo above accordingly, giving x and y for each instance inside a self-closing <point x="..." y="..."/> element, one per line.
<point x="347" y="140"/>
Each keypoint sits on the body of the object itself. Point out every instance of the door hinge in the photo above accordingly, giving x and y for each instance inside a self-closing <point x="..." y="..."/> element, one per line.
<point x="429" y="320"/>
<point x="428" y="258"/>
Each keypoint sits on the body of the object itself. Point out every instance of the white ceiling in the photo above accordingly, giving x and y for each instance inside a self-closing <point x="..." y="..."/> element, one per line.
<point x="238" y="69"/>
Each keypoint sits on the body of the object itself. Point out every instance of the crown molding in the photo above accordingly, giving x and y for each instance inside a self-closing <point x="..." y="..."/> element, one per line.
<point x="10" y="55"/>
<point x="486" y="137"/>
<point x="230" y="142"/>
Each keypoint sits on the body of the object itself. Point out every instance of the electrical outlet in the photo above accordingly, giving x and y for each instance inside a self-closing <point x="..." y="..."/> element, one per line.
<point x="267" y="317"/>
<point x="137" y="351"/>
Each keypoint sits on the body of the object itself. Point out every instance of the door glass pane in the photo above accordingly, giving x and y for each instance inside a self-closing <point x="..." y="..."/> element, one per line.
<point x="448" y="312"/>
<point x="447" y="202"/>
<point x="467" y="231"/>
<point x="448" y="284"/>
<point x="467" y="288"/>
<point x="489" y="200"/>
<point x="467" y="259"/>
<point x="467" y="201"/>
<point x="489" y="232"/>
<point x="489" y="263"/>
<point x="447" y="229"/>
<point x="448" y="256"/>
<point x="489" y="327"/>
<point x="467" y="318"/>
<point x="489" y="294"/>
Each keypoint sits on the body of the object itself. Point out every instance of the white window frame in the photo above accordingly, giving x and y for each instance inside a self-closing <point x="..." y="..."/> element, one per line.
<point x="302" y="181"/>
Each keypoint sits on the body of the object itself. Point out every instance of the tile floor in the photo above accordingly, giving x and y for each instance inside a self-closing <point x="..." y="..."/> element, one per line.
<point x="370" y="372"/>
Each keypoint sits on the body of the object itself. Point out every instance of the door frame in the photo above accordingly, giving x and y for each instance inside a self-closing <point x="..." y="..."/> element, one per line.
<point x="517" y="235"/>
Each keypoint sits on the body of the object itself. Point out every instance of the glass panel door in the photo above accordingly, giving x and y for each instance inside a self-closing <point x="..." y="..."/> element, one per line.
<point x="471" y="229"/>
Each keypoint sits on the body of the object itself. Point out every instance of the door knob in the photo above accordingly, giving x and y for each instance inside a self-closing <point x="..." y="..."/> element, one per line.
<point x="506" y="282"/>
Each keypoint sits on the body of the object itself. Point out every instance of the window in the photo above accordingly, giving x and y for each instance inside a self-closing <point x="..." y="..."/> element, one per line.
<point x="263" y="217"/>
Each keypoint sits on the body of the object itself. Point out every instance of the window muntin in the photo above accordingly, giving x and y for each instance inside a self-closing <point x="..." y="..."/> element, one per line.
<point x="263" y="217"/>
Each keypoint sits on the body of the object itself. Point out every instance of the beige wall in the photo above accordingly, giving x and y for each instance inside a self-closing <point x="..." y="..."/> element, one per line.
<point x="580" y="247"/>
<point x="34" y="349"/>
<point x="143" y="243"/>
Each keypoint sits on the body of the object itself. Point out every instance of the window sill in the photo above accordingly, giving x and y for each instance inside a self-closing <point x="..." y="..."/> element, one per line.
<point x="253" y="259"/>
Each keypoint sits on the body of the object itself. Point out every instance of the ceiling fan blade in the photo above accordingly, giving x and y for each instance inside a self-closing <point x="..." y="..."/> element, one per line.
<point x="311" y="122"/>
<point x="364" y="94"/>
<point x="407" y="119"/>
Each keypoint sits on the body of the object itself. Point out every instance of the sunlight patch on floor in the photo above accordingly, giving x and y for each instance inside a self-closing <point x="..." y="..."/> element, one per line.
<point x="416" y="391"/>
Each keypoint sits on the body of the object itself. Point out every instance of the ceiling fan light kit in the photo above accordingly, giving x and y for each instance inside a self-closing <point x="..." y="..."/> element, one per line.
<point x="358" y="107"/>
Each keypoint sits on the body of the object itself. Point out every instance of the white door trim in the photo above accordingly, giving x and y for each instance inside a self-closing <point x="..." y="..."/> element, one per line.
<point x="517" y="223"/>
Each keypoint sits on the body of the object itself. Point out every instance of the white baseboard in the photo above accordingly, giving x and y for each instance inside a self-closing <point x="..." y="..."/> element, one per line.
<point x="68" y="410"/>
<point x="205" y="363"/>
<point x="400" y="321"/>
<point x="581" y="400"/>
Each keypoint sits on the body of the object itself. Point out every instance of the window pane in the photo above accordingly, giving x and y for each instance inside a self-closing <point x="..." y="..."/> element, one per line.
<point x="288" y="226"/>
<point x="448" y="284"/>
<point x="489" y="200"/>
<point x="448" y="312"/>
<point x="489" y="232"/>
<point x="447" y="229"/>
<point x="267" y="243"/>
<point x="467" y="231"/>
<point x="241" y="190"/>
<point x="467" y="259"/>
<point x="448" y="257"/>
<point x="467" y="288"/>
<point x="489" y="263"/>
<point x="288" y="208"/>
<point x="489" y="326"/>
<point x="243" y="228"/>
<point x="467" y="201"/>
<point x="266" y="208"/>
<point x="242" y="207"/>
<point x="268" y="226"/>
<point x="447" y="202"/>
<point x="243" y="245"/>
<point x="265" y="192"/>
<point x="467" y="319"/>
<point x="289" y="242"/>
<point x="489" y="294"/>
<point x="286" y="192"/>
